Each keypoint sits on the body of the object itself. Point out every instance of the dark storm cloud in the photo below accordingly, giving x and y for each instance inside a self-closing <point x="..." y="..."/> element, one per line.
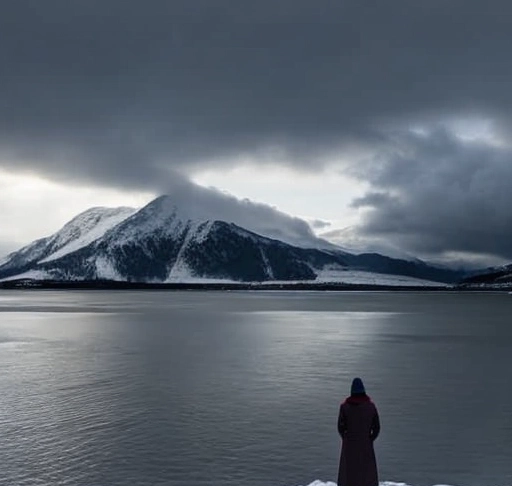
<point x="120" y="90"/>
<point x="435" y="192"/>
<point x="123" y="92"/>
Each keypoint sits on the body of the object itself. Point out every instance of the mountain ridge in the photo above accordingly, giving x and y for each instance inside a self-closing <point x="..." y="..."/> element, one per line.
<point x="161" y="242"/>
<point x="497" y="277"/>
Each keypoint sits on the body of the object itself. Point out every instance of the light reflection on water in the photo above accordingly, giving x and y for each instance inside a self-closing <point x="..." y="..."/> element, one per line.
<point x="242" y="388"/>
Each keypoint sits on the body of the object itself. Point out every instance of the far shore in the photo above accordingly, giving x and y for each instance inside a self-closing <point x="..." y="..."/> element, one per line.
<point x="229" y="286"/>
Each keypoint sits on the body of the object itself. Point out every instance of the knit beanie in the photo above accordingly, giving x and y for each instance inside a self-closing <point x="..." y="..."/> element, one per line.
<point x="357" y="387"/>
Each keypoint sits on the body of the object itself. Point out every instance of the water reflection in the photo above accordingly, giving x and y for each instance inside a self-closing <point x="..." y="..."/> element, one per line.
<point x="243" y="388"/>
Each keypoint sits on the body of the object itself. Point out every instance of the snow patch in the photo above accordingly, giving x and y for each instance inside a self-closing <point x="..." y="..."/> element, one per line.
<point x="31" y="274"/>
<point x="197" y="232"/>
<point x="180" y="272"/>
<point x="268" y="267"/>
<point x="381" y="483"/>
<point x="321" y="483"/>
<point x="359" y="277"/>
<point x="203" y="231"/>
<point x="105" y="270"/>
<point x="190" y="279"/>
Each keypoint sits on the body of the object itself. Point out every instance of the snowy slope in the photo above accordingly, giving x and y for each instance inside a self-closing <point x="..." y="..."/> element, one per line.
<point x="78" y="233"/>
<point x="86" y="228"/>
<point x="29" y="275"/>
<point x="359" y="277"/>
<point x="349" y="277"/>
<point x="159" y="216"/>
<point x="32" y="252"/>
<point x="196" y="234"/>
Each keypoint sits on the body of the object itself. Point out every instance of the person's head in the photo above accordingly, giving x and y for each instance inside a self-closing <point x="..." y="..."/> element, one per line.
<point x="357" y="387"/>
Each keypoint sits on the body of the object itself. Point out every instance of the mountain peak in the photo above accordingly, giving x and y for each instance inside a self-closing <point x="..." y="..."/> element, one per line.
<point x="165" y="241"/>
<point x="84" y="229"/>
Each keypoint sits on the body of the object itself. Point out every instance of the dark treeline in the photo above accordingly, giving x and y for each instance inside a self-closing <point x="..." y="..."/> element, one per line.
<point x="116" y="285"/>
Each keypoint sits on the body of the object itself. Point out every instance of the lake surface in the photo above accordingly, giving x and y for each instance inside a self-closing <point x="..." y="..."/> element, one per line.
<point x="243" y="388"/>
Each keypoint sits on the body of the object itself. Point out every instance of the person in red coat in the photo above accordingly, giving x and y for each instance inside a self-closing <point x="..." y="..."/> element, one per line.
<point x="358" y="426"/>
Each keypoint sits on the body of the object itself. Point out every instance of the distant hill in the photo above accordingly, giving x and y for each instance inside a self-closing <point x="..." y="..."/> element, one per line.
<point x="491" y="277"/>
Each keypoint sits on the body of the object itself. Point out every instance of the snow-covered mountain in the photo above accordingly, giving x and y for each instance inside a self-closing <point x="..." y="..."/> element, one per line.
<point x="495" y="277"/>
<point x="165" y="243"/>
<point x="77" y="233"/>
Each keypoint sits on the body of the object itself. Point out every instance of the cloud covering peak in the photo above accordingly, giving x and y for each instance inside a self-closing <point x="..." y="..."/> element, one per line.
<point x="123" y="93"/>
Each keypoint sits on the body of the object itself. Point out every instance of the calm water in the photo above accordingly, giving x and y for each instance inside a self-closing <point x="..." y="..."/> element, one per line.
<point x="240" y="388"/>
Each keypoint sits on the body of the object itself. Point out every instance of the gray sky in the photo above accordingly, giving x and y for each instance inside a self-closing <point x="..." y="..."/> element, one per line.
<point x="398" y="113"/>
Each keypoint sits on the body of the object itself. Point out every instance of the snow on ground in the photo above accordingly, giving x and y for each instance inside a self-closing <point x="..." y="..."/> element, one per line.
<point x="382" y="483"/>
<point x="105" y="269"/>
<point x="189" y="279"/>
<point x="181" y="274"/>
<point x="492" y="285"/>
<point x="353" y="277"/>
<point x="31" y="274"/>
<point x="268" y="267"/>
<point x="359" y="277"/>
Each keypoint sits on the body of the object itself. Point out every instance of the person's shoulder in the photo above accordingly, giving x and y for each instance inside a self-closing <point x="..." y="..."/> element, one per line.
<point x="368" y="401"/>
<point x="345" y="402"/>
<point x="371" y="403"/>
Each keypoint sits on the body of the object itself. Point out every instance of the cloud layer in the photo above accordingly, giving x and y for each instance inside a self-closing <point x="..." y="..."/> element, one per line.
<point x="124" y="93"/>
<point x="435" y="193"/>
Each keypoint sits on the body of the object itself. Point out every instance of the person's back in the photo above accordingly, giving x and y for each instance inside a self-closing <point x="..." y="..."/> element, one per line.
<point x="359" y="426"/>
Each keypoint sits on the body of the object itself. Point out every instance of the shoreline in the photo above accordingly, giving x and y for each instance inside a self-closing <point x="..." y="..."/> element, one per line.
<point x="24" y="284"/>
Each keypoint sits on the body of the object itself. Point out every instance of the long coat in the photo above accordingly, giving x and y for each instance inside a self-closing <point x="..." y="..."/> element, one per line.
<point x="358" y="426"/>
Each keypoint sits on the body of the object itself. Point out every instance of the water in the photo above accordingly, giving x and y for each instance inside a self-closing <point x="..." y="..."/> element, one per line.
<point x="243" y="388"/>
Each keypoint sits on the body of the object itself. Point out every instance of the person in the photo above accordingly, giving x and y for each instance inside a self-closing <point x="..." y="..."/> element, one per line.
<point x="358" y="426"/>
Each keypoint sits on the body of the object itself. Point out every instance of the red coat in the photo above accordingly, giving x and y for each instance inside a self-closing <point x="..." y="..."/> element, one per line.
<point x="359" y="426"/>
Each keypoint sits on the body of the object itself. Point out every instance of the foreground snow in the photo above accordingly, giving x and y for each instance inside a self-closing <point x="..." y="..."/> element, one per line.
<point x="382" y="483"/>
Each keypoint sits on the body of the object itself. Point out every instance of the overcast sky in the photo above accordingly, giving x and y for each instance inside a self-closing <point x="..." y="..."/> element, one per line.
<point x="386" y="124"/>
